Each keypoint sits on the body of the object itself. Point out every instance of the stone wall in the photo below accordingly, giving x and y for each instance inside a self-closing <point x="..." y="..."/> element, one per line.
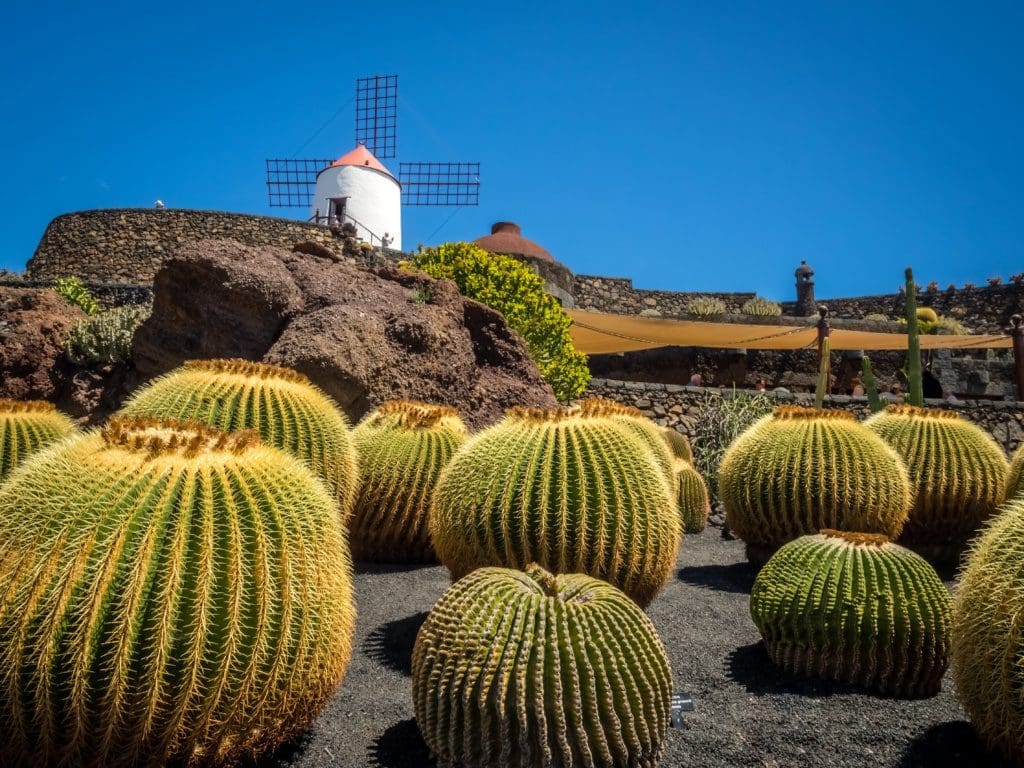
<point x="127" y="245"/>
<point x="674" y="406"/>
<point x="984" y="309"/>
<point x="617" y="295"/>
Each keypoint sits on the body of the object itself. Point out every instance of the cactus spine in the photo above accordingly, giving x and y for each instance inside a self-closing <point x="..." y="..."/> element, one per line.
<point x="799" y="470"/>
<point x="572" y="492"/>
<point x="1015" y="475"/>
<point x="692" y="496"/>
<point x="958" y="473"/>
<point x="631" y="418"/>
<point x="678" y="443"/>
<point x="915" y="384"/>
<point x="26" y="427"/>
<point x="279" y="403"/>
<point x="987" y="640"/>
<point x="402" y="447"/>
<point x="167" y="592"/>
<point x="516" y="670"/>
<point x="856" y="608"/>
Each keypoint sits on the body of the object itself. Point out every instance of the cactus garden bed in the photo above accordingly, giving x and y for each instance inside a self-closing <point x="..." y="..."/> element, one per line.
<point x="747" y="713"/>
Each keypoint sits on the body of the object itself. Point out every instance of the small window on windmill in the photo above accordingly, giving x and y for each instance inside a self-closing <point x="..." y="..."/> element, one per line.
<point x="337" y="213"/>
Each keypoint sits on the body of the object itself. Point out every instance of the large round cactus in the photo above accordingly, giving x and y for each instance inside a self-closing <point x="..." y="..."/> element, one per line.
<point x="569" y="491"/>
<point x="988" y="637"/>
<point x="1015" y="475"/>
<point x="857" y="608"/>
<point x="956" y="469"/>
<point x="678" y="443"/>
<point x="281" y="404"/>
<point x="517" y="670"/>
<point x="692" y="496"/>
<point x="799" y="470"/>
<point x="650" y="434"/>
<point x="167" y="591"/>
<point x="25" y="427"/>
<point x="402" y="446"/>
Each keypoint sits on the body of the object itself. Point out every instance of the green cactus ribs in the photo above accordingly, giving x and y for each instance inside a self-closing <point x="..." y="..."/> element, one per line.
<point x="279" y="403"/>
<point x="958" y="473"/>
<point x="692" y="497"/>
<point x="402" y="446"/>
<point x="987" y="640"/>
<point x="516" y="670"/>
<point x="26" y="426"/>
<point x="799" y="470"/>
<point x="631" y="418"/>
<point x="571" y="491"/>
<point x="678" y="443"/>
<point x="855" y="608"/>
<point x="168" y="592"/>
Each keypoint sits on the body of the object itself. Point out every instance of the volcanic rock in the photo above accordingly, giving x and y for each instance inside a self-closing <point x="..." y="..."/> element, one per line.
<point x="363" y="335"/>
<point x="33" y="323"/>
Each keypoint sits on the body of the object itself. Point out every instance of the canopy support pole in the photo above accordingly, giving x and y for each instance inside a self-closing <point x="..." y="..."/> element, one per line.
<point x="1017" y="334"/>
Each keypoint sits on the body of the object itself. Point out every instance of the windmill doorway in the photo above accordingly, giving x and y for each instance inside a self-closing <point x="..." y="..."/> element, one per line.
<point x="337" y="213"/>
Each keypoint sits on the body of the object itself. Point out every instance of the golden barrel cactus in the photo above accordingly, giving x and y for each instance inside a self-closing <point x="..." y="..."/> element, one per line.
<point x="957" y="471"/>
<point x="988" y="637"/>
<point x="1015" y="475"/>
<point x="402" y="447"/>
<point x="799" y="470"/>
<point x="857" y="608"/>
<point x="517" y="670"/>
<point x="692" y="496"/>
<point x="570" y="491"/>
<point x="678" y="443"/>
<point x="650" y="434"/>
<point x="282" y="405"/>
<point x="26" y="426"/>
<point x="167" y="592"/>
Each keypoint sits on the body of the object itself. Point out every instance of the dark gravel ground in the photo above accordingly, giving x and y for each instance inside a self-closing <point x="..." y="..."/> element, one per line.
<point x="747" y="713"/>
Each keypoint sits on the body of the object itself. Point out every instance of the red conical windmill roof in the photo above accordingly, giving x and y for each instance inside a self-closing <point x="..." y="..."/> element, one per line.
<point x="363" y="157"/>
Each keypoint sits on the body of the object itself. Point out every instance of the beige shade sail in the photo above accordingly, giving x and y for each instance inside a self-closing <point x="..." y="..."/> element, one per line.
<point x="596" y="333"/>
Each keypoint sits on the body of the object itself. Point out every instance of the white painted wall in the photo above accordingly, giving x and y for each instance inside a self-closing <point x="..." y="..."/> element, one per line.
<point x="374" y="200"/>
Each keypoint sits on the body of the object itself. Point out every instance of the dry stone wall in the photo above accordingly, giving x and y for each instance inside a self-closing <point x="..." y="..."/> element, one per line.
<point x="674" y="406"/>
<point x="128" y="245"/>
<point x="617" y="295"/>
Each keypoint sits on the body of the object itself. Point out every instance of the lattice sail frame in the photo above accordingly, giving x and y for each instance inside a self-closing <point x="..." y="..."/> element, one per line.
<point x="377" y="114"/>
<point x="440" y="183"/>
<point x="291" y="183"/>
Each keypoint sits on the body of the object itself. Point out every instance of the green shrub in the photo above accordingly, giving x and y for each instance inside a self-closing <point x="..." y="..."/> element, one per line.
<point x="74" y="292"/>
<point x="761" y="307"/>
<point x="877" y="317"/>
<point x="509" y="286"/>
<point x="104" y="338"/>
<point x="705" y="306"/>
<point x="717" y="422"/>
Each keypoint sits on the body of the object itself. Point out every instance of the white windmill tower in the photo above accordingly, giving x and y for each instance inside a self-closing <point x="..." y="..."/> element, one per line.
<point x="357" y="189"/>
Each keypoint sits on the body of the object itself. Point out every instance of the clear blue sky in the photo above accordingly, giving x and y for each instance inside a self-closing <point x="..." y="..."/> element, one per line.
<point x="706" y="146"/>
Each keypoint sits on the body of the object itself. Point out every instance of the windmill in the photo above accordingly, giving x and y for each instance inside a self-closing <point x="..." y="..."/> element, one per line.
<point x="357" y="189"/>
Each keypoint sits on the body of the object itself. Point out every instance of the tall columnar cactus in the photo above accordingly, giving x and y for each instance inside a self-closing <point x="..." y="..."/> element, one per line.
<point x="799" y="470"/>
<point x="988" y="644"/>
<point x="26" y="426"/>
<point x="569" y="491"/>
<point x="1015" y="476"/>
<point x="915" y="382"/>
<point x="282" y="405"/>
<point x="678" y="443"/>
<point x="957" y="470"/>
<point x="167" y="591"/>
<point x="857" y="608"/>
<point x="692" y="496"/>
<point x="634" y="420"/>
<point x="867" y="376"/>
<point x="402" y="446"/>
<point x="516" y="670"/>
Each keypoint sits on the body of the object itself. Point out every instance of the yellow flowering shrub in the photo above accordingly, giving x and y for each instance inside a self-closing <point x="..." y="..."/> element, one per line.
<point x="512" y="288"/>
